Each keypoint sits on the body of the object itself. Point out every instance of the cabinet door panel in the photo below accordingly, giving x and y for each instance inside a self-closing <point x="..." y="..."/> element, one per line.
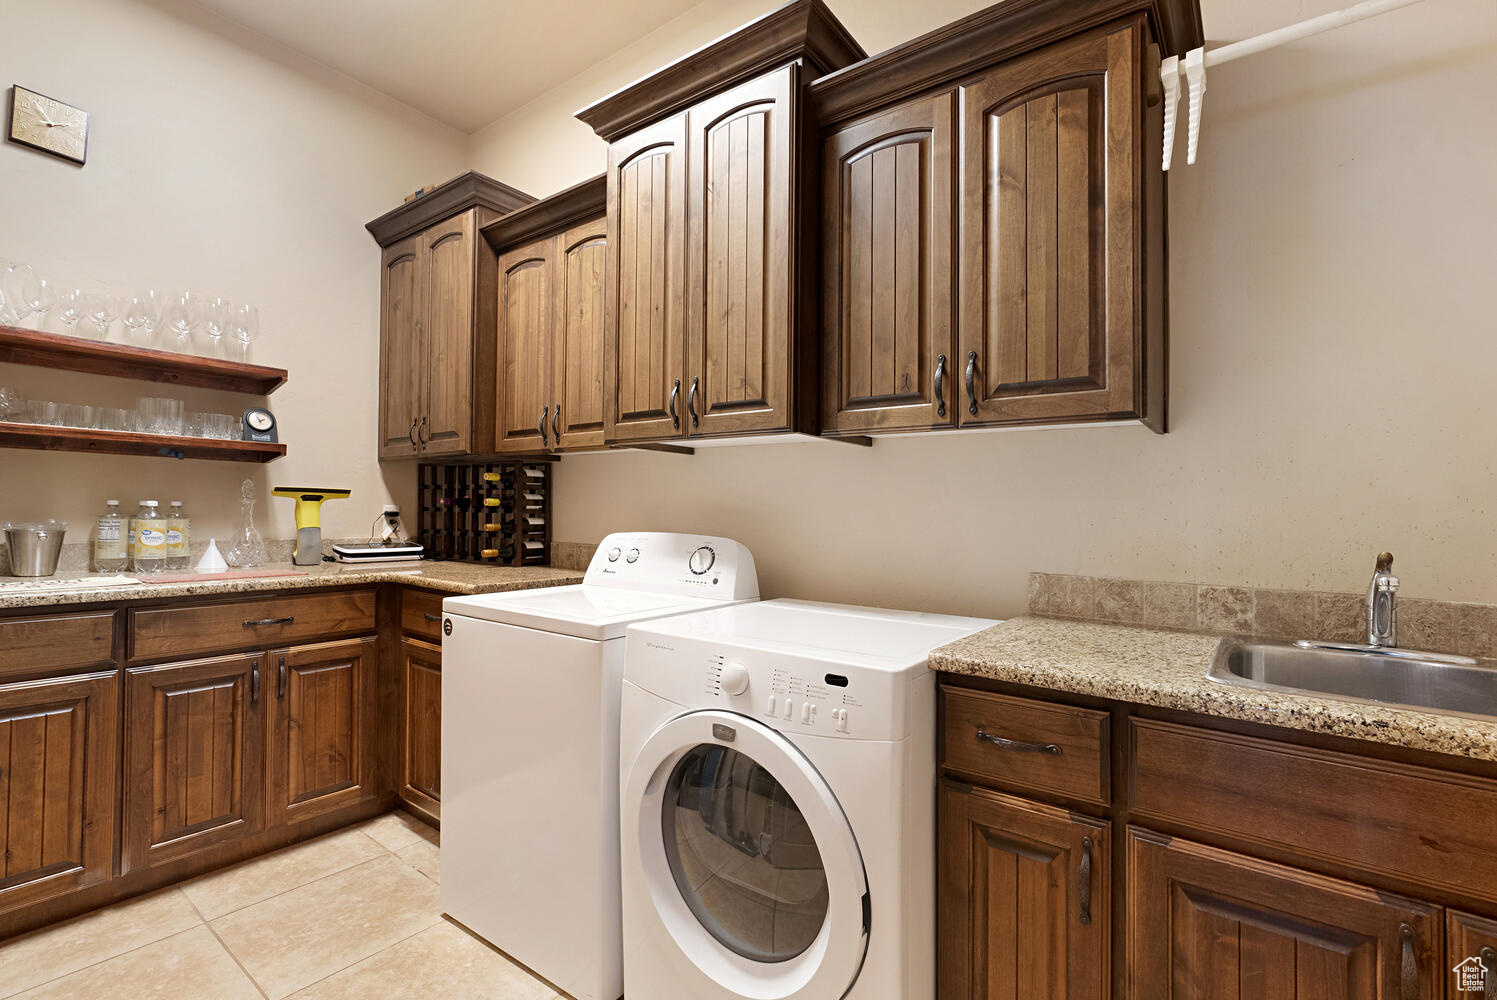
<point x="321" y="724"/>
<point x="57" y="759"/>
<point x="421" y="765"/>
<point x="1471" y="956"/>
<point x="401" y="352"/>
<point x="193" y="746"/>
<point x="740" y="255"/>
<point x="581" y="302"/>
<point x="645" y="327"/>
<point x="1050" y="322"/>
<point x="1025" y="899"/>
<point x="447" y="360"/>
<point x="1205" y="924"/>
<point x="525" y="337"/>
<point x="888" y="311"/>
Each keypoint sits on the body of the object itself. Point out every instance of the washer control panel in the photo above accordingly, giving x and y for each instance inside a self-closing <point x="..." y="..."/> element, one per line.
<point x="700" y="565"/>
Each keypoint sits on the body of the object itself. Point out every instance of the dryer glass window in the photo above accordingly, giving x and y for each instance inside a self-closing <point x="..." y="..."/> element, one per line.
<point x="742" y="855"/>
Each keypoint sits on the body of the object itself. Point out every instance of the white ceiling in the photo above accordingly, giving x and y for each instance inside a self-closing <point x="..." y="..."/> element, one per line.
<point x="464" y="62"/>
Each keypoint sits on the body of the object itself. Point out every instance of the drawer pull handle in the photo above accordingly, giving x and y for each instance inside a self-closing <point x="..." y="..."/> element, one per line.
<point x="1084" y="890"/>
<point x="1409" y="980"/>
<point x="271" y="621"/>
<point x="972" y="382"/>
<point x="940" y="378"/>
<point x="1019" y="746"/>
<point x="255" y="684"/>
<point x="431" y="617"/>
<point x="281" y="692"/>
<point x="1489" y="959"/>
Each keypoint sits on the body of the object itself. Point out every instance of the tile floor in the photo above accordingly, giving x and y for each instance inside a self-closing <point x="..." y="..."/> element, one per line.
<point x="350" y="915"/>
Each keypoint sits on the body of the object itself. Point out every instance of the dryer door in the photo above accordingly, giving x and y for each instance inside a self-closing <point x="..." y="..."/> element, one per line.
<point x="748" y="858"/>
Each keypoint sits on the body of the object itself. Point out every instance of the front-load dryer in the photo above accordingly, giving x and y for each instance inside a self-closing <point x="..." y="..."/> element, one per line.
<point x="778" y="803"/>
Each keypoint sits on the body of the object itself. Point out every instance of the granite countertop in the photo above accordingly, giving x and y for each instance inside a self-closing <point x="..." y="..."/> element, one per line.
<point x="448" y="577"/>
<point x="1167" y="669"/>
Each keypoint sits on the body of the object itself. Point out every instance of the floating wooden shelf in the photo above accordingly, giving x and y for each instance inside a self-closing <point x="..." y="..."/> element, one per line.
<point x="74" y="354"/>
<point x="41" y="437"/>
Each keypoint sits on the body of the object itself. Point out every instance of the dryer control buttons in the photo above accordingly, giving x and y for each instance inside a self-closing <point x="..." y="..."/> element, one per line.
<point x="789" y="709"/>
<point x="614" y="553"/>
<point x="701" y="560"/>
<point x="734" y="678"/>
<point x="772" y="708"/>
<point x="839" y="716"/>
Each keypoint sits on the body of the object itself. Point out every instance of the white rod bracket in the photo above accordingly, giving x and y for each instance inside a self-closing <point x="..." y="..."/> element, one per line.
<point x="1169" y="75"/>
<point x="1195" y="78"/>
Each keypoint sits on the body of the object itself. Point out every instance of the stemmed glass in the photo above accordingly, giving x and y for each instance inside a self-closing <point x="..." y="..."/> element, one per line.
<point x="25" y="293"/>
<point x="141" y="314"/>
<point x="215" y="315"/>
<point x="100" y="309"/>
<point x="179" y="319"/>
<point x="70" y="310"/>
<point x="244" y="327"/>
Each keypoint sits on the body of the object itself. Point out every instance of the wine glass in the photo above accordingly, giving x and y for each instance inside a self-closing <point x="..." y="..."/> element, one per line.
<point x="70" y="309"/>
<point x="244" y="328"/>
<point x="216" y="314"/>
<point x="141" y="314"/>
<point x="179" y="319"/>
<point x="22" y="292"/>
<point x="100" y="309"/>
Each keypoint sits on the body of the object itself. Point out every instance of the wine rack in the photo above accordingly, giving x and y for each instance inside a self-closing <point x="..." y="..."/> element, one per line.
<point x="498" y="513"/>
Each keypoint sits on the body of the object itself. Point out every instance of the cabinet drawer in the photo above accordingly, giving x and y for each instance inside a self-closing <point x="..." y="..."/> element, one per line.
<point x="53" y="642"/>
<point x="421" y="615"/>
<point x="204" y="628"/>
<point x="1026" y="744"/>
<point x="1400" y="821"/>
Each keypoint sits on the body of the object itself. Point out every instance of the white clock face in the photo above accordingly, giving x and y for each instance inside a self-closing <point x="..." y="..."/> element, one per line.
<point x="259" y="420"/>
<point x="49" y="125"/>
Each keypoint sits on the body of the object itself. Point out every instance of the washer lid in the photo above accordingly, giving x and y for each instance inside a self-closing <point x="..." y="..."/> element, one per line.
<point x="580" y="610"/>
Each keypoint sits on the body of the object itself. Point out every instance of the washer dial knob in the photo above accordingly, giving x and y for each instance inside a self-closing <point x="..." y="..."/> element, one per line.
<point x="614" y="553"/>
<point x="701" y="560"/>
<point x="734" y="678"/>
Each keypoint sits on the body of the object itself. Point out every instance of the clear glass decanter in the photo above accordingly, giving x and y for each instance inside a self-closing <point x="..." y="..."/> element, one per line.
<point x="246" y="548"/>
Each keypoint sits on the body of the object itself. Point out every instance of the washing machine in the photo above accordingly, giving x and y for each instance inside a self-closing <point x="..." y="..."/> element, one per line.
<point x="778" y="803"/>
<point x="530" y="741"/>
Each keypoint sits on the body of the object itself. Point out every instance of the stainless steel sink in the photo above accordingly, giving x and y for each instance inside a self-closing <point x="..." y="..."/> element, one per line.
<point x="1427" y="682"/>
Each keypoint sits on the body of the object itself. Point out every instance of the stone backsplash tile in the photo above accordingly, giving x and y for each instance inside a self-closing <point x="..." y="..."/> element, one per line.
<point x="1438" y="626"/>
<point x="572" y="555"/>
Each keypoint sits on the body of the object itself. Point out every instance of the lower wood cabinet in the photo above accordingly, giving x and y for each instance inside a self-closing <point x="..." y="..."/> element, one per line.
<point x="421" y="754"/>
<point x="57" y="786"/>
<point x="1025" y="908"/>
<point x="1204" y="924"/>
<point x="194" y="757"/>
<point x="1471" y="956"/>
<point x="319" y="756"/>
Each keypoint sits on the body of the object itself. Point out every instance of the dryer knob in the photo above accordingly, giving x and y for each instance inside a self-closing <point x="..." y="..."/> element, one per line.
<point x="734" y="679"/>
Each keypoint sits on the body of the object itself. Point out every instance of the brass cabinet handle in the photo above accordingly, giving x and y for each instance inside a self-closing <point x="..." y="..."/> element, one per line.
<point x="431" y="617"/>
<point x="691" y="399"/>
<point x="281" y="692"/>
<point x="940" y="375"/>
<point x="1084" y="888"/>
<point x="1489" y="959"/>
<point x="555" y="420"/>
<point x="412" y="435"/>
<point x="270" y="621"/>
<point x="675" y="394"/>
<point x="972" y="382"/>
<point x="1409" y="975"/>
<point x="545" y="412"/>
<point x="255" y="684"/>
<point x="1019" y="746"/>
<point x="421" y="433"/>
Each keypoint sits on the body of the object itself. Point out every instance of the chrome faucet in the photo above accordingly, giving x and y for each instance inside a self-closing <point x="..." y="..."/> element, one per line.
<point x="1382" y="604"/>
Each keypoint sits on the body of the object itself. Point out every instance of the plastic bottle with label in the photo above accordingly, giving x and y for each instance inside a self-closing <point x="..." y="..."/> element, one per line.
<point x="178" y="537"/>
<point x="150" y="539"/>
<point x="111" y="540"/>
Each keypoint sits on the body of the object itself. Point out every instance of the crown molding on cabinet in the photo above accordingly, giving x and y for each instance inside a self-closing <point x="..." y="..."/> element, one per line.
<point x="803" y="30"/>
<point x="467" y="191"/>
<point x="578" y="203"/>
<point x="980" y="40"/>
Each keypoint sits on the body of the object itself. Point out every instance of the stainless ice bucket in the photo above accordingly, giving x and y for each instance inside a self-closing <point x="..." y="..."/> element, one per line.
<point x="35" y="546"/>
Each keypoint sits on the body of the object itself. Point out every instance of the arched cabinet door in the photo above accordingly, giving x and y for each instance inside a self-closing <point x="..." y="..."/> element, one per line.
<point x="888" y="313"/>
<point x="1053" y="250"/>
<point x="525" y="322"/>
<point x="581" y="263"/>
<point x="646" y="312"/>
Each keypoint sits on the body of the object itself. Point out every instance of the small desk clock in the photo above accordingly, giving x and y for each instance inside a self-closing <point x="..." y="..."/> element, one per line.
<point x="259" y="425"/>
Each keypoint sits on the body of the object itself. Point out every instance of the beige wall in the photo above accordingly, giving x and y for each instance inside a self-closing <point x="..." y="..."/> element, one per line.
<point x="1334" y="345"/>
<point x="220" y="164"/>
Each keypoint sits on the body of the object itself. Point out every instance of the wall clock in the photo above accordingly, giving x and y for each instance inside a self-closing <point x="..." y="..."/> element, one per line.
<point x="50" y="126"/>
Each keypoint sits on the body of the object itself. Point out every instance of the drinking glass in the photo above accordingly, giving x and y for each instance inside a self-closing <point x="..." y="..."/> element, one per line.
<point x="141" y="315"/>
<point x="70" y="310"/>
<point x="113" y="419"/>
<point x="178" y="320"/>
<point x="193" y="424"/>
<point x="100" y="310"/>
<point x="244" y="328"/>
<point x="42" y="411"/>
<point x="160" y="415"/>
<point x="220" y="426"/>
<point x="214" y="314"/>
<point x="12" y="404"/>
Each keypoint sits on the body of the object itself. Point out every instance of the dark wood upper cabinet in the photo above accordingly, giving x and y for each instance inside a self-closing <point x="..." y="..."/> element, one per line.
<point x="437" y="320"/>
<point x="888" y="313"/>
<point x="322" y="703"/>
<point x="711" y="329"/>
<point x="1052" y="219"/>
<point x="551" y="300"/>
<point x="57" y="786"/>
<point x="1025" y="900"/>
<point x="194" y="738"/>
<point x="1204" y="924"/>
